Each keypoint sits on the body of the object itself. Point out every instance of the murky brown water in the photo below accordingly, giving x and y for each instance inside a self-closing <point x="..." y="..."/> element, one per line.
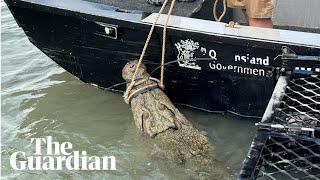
<point x="40" y="99"/>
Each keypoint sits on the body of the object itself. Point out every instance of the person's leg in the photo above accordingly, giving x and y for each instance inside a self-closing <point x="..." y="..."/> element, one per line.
<point x="260" y="22"/>
<point x="259" y="13"/>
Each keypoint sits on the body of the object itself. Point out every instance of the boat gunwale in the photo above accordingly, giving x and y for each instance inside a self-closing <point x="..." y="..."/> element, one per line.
<point x="144" y="21"/>
<point x="224" y="25"/>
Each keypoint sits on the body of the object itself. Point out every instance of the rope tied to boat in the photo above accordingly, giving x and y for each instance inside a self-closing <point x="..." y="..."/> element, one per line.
<point x="160" y="83"/>
<point x="218" y="19"/>
<point x="127" y="95"/>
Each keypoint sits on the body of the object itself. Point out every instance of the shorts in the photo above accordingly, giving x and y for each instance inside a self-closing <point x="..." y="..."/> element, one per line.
<point x="254" y="8"/>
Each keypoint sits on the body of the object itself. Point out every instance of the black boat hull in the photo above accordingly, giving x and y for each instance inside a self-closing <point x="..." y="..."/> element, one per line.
<point x="223" y="79"/>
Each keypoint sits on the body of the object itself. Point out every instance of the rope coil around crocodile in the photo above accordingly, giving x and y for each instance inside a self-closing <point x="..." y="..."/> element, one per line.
<point x="147" y="84"/>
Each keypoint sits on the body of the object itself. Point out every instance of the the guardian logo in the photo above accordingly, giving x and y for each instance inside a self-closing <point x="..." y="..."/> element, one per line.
<point x="59" y="157"/>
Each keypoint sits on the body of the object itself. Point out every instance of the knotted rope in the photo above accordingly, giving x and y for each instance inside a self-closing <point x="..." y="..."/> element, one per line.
<point x="127" y="93"/>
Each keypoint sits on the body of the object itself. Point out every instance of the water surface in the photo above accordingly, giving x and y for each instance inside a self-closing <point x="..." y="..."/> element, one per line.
<point x="40" y="99"/>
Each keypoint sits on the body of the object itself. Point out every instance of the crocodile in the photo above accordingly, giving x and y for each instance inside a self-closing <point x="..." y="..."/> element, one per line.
<point x="176" y="138"/>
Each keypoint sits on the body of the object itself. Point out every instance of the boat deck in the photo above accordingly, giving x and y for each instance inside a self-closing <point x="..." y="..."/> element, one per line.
<point x="181" y="9"/>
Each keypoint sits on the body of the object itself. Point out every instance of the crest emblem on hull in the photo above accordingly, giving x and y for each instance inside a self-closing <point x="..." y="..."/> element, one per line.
<point x="186" y="56"/>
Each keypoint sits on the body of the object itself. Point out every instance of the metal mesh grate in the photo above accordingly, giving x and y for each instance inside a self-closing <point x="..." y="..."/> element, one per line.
<point x="289" y="157"/>
<point x="287" y="145"/>
<point x="301" y="103"/>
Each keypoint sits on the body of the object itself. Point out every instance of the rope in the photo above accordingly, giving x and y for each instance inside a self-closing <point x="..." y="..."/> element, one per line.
<point x="164" y="37"/>
<point x="126" y="94"/>
<point x="218" y="19"/>
<point x="150" y="84"/>
<point x="160" y="83"/>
